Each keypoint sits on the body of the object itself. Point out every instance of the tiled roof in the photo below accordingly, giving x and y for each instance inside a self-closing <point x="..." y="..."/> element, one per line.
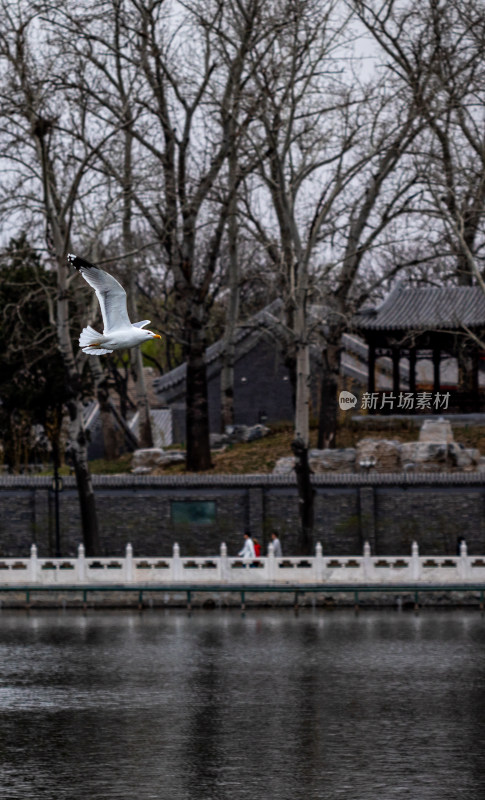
<point x="265" y="320"/>
<point x="428" y="308"/>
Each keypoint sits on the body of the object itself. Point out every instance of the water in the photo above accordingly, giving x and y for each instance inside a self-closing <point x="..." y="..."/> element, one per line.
<point x="219" y="706"/>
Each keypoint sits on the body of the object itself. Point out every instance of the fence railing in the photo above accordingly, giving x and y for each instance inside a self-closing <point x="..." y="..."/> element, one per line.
<point x="233" y="571"/>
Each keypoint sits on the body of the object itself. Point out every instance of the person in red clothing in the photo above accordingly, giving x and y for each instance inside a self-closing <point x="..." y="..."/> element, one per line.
<point x="257" y="548"/>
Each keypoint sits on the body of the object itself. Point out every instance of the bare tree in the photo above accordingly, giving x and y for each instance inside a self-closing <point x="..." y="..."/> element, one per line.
<point x="180" y="100"/>
<point x="327" y="146"/>
<point x="436" y="52"/>
<point x="46" y="172"/>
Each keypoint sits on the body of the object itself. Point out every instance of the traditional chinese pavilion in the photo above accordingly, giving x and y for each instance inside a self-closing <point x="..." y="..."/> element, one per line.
<point x="437" y="324"/>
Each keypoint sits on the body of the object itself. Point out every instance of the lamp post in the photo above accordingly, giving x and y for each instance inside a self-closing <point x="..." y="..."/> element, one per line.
<point x="57" y="487"/>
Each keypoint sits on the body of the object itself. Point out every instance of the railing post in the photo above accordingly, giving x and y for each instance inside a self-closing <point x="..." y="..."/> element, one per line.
<point x="367" y="561"/>
<point x="176" y="563"/>
<point x="81" y="564"/>
<point x="129" y="564"/>
<point x="415" y="562"/>
<point x="463" y="563"/>
<point x="224" y="562"/>
<point x="33" y="563"/>
<point x="271" y="563"/>
<point x="319" y="562"/>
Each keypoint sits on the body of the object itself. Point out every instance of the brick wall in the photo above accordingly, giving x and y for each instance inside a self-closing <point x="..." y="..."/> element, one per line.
<point x="389" y="511"/>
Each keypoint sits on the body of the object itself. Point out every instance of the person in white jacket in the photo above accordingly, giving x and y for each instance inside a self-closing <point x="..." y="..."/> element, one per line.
<point x="276" y="545"/>
<point x="248" y="549"/>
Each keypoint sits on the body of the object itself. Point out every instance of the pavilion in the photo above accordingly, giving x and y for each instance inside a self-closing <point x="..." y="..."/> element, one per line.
<point x="433" y="323"/>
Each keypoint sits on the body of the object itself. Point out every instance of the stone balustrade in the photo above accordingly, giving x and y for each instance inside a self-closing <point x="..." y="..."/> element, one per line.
<point x="228" y="571"/>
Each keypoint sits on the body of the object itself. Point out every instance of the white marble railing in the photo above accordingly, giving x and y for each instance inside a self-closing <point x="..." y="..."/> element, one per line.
<point x="231" y="571"/>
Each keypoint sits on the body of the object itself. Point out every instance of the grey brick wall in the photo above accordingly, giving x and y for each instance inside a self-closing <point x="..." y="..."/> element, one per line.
<point x="390" y="511"/>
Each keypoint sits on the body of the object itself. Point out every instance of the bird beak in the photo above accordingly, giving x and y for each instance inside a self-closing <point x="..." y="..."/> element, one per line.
<point x="157" y="336"/>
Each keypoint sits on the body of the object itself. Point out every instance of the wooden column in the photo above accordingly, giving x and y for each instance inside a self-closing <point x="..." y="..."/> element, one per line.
<point x="436" y="369"/>
<point x="412" y="369"/>
<point x="371" y="377"/>
<point x="396" y="355"/>
<point x="475" y="381"/>
<point x="475" y="376"/>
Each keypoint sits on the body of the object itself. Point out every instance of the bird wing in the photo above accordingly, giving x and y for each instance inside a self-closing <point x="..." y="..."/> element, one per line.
<point x="110" y="293"/>
<point x="142" y="323"/>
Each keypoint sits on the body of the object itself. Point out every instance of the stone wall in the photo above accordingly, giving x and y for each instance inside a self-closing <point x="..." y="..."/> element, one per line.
<point x="263" y="390"/>
<point x="389" y="511"/>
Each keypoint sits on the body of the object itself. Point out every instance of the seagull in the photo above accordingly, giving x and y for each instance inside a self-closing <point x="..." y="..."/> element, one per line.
<point x="118" y="332"/>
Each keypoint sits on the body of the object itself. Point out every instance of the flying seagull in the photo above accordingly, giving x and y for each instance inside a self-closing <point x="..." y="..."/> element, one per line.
<point x="119" y="332"/>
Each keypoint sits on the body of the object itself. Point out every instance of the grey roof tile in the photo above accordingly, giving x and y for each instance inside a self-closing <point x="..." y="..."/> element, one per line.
<point x="427" y="308"/>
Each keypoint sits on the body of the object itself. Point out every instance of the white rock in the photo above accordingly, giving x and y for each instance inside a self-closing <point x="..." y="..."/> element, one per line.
<point x="246" y="433"/>
<point x="218" y="440"/>
<point x="338" y="460"/>
<point x="463" y="457"/>
<point x="384" y="453"/>
<point x="175" y="457"/>
<point x="284" y="466"/>
<point x="148" y="457"/>
<point x="436" y="430"/>
<point x="425" y="452"/>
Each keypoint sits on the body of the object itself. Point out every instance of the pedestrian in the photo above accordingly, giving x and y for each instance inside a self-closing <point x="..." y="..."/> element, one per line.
<point x="257" y="548"/>
<point x="247" y="550"/>
<point x="459" y="543"/>
<point x="277" y="551"/>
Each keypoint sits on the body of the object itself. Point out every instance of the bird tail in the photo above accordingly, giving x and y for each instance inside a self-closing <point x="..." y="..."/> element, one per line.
<point x="91" y="341"/>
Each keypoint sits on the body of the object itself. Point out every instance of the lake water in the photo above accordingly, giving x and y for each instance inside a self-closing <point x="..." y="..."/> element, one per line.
<point x="220" y="706"/>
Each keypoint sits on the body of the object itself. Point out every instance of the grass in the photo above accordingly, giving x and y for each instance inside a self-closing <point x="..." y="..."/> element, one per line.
<point x="260" y="456"/>
<point x="99" y="466"/>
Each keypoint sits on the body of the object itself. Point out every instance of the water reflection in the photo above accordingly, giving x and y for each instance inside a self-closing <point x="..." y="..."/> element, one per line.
<point x="223" y="707"/>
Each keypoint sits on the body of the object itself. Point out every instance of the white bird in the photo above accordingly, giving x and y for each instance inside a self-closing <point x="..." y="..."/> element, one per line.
<point x="118" y="332"/>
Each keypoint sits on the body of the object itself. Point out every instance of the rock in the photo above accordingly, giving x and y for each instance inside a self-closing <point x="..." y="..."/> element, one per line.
<point x="463" y="458"/>
<point x="218" y="440"/>
<point x="436" y="430"/>
<point x="149" y="457"/>
<point x="153" y="458"/>
<point x="246" y="433"/>
<point x="284" y="466"/>
<point x="338" y="460"/>
<point x="426" y="456"/>
<point x="439" y="456"/>
<point x="175" y="457"/>
<point x="382" y="455"/>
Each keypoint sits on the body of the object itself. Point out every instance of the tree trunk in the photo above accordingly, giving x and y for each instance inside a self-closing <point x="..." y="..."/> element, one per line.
<point x="301" y="442"/>
<point x="112" y="440"/>
<point x="232" y="313"/>
<point x="468" y="380"/>
<point x="78" y="443"/>
<point x="77" y="450"/>
<point x="197" y="409"/>
<point x="227" y="387"/>
<point x="145" y="434"/>
<point x="327" y="425"/>
<point x="306" y="497"/>
<point x="228" y="356"/>
<point x="300" y="447"/>
<point x="302" y="410"/>
<point x="111" y="437"/>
